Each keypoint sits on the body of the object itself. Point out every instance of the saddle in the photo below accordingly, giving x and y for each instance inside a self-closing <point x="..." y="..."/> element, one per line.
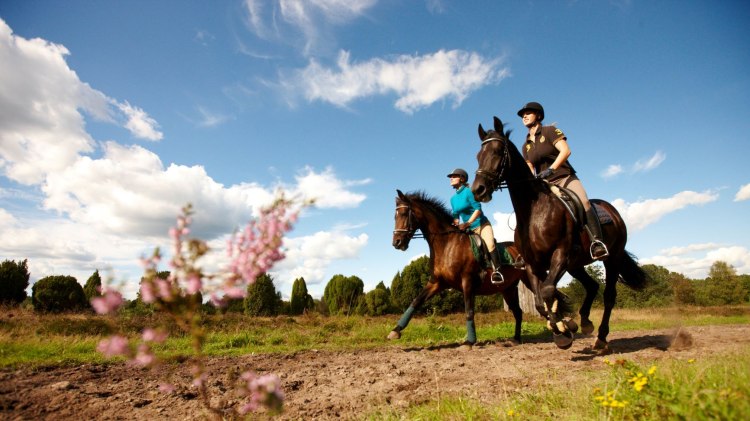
<point x="573" y="204"/>
<point x="483" y="256"/>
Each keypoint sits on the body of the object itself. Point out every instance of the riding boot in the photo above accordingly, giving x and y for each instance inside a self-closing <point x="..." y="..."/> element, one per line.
<point x="598" y="249"/>
<point x="497" y="276"/>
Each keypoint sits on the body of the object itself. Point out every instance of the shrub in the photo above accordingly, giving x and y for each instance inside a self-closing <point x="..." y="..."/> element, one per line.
<point x="14" y="279"/>
<point x="262" y="299"/>
<point x="55" y="294"/>
<point x="93" y="285"/>
<point x="341" y="294"/>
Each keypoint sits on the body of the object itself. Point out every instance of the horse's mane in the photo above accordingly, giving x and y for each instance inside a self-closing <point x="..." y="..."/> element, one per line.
<point x="434" y="204"/>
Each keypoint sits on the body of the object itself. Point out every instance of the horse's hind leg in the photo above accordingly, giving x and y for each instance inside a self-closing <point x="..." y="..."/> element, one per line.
<point x="592" y="287"/>
<point x="610" y="297"/>
<point x="428" y="291"/>
<point x="511" y="298"/>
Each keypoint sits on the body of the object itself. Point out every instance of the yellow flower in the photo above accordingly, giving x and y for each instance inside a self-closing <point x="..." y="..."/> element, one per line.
<point x="692" y="360"/>
<point x="652" y="370"/>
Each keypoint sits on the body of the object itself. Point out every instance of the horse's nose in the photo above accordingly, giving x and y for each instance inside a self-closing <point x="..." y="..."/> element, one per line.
<point x="396" y="242"/>
<point x="479" y="191"/>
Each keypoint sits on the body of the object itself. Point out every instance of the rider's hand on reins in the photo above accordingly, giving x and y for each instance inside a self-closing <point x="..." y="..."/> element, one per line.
<point x="549" y="172"/>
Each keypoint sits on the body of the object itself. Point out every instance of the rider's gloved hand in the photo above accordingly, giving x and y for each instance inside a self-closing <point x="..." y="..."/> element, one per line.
<point x="463" y="227"/>
<point x="549" y="172"/>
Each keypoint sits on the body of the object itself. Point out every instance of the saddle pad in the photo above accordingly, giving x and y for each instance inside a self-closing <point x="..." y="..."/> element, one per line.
<point x="603" y="215"/>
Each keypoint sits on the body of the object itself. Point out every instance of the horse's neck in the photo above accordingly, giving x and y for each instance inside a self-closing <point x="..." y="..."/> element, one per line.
<point x="434" y="231"/>
<point x="523" y="194"/>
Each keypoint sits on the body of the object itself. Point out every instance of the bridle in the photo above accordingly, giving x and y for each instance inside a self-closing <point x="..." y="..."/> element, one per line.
<point x="410" y="231"/>
<point x="495" y="179"/>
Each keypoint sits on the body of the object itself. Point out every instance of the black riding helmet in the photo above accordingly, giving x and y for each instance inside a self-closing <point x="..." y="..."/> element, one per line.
<point x="461" y="173"/>
<point x="532" y="106"/>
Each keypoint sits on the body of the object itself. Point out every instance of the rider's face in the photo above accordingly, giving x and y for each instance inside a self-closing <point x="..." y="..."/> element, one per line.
<point x="529" y="118"/>
<point x="455" y="180"/>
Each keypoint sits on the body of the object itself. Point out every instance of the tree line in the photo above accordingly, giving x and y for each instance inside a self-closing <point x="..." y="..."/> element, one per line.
<point x="345" y="294"/>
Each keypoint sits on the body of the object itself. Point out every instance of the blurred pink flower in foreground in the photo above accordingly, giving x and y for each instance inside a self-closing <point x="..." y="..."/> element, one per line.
<point x="113" y="346"/>
<point x="109" y="302"/>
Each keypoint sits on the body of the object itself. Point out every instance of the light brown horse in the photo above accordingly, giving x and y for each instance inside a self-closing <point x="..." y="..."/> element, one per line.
<point x="452" y="262"/>
<point x="550" y="239"/>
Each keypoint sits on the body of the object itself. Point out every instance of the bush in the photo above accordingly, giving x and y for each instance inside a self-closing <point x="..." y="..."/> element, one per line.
<point x="55" y="294"/>
<point x="93" y="286"/>
<point x="262" y="299"/>
<point x="14" y="279"/>
<point x="341" y="294"/>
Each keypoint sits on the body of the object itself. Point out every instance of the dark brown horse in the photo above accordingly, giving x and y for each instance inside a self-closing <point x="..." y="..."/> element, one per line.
<point x="549" y="238"/>
<point x="452" y="262"/>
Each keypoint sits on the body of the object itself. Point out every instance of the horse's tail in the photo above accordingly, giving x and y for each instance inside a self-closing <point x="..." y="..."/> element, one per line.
<point x="565" y="304"/>
<point x="631" y="273"/>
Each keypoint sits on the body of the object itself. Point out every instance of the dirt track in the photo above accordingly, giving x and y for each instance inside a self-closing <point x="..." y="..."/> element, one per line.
<point x="325" y="385"/>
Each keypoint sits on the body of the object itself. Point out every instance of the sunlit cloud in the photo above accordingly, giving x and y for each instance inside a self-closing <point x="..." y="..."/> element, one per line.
<point x="650" y="163"/>
<point x="743" y="193"/>
<point x="695" y="261"/>
<point x="612" y="171"/>
<point x="418" y="81"/>
<point x="638" y="215"/>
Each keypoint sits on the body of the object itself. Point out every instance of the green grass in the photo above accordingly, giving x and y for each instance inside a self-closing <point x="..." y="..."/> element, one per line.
<point x="715" y="388"/>
<point x="28" y="339"/>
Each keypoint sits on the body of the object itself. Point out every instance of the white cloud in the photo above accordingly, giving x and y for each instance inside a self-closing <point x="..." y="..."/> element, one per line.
<point x="504" y="226"/>
<point x="650" y="163"/>
<point x="642" y="165"/>
<point x="638" y="215"/>
<point x="139" y="123"/>
<point x="42" y="129"/>
<point x="418" y="81"/>
<point x="211" y="119"/>
<point x="694" y="261"/>
<point x="743" y="193"/>
<point x="310" y="256"/>
<point x="327" y="190"/>
<point x="612" y="171"/>
<point x="284" y="19"/>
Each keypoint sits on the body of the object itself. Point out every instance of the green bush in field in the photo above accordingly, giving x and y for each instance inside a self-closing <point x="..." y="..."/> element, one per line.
<point x="262" y="298"/>
<point x="341" y="294"/>
<point x="55" y="294"/>
<point x="93" y="286"/>
<point x="14" y="279"/>
<point x="407" y="284"/>
<point x="300" y="300"/>
<point x="378" y="302"/>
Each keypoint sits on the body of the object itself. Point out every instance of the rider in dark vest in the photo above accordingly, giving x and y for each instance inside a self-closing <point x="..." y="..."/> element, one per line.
<point x="546" y="152"/>
<point x="465" y="208"/>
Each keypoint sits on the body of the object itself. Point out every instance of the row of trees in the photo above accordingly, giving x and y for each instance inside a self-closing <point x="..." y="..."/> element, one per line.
<point x="345" y="294"/>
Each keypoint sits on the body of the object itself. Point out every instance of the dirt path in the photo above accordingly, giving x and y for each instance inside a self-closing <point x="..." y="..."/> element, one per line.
<point x="325" y="385"/>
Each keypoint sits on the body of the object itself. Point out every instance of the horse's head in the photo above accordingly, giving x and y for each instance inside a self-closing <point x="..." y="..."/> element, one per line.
<point x="493" y="159"/>
<point x="404" y="229"/>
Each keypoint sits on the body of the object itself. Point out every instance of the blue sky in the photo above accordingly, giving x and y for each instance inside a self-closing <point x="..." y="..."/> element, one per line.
<point x="115" y="114"/>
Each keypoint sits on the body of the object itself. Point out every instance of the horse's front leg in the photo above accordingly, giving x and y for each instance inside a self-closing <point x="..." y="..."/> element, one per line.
<point x="471" y="331"/>
<point x="511" y="298"/>
<point x="592" y="287"/>
<point x="562" y="336"/>
<point x="428" y="291"/>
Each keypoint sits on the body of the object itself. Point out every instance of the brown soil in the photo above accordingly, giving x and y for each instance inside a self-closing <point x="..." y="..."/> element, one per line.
<point x="351" y="384"/>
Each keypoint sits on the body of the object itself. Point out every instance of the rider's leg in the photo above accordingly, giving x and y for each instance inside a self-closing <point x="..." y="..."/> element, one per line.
<point x="598" y="248"/>
<point x="488" y="237"/>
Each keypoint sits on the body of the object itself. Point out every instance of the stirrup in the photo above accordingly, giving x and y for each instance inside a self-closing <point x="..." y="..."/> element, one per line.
<point x="604" y="246"/>
<point x="498" y="274"/>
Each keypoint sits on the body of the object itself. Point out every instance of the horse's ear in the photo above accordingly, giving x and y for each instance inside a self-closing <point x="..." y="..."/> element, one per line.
<point x="482" y="133"/>
<point x="400" y="195"/>
<point x="498" y="125"/>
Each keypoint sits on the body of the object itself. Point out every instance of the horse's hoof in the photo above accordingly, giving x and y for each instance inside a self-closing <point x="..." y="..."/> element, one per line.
<point x="394" y="335"/>
<point x="563" y="340"/>
<point x="466" y="346"/>
<point x="587" y="328"/>
<point x="571" y="324"/>
<point x="601" y="347"/>
<point x="509" y="343"/>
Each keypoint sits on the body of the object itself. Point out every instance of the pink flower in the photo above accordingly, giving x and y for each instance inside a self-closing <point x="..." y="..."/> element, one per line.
<point x="147" y="292"/>
<point x="113" y="346"/>
<point x="194" y="283"/>
<point x="153" y="335"/>
<point x="166" y="388"/>
<point x="144" y="357"/>
<point x="261" y="391"/>
<point x="107" y="303"/>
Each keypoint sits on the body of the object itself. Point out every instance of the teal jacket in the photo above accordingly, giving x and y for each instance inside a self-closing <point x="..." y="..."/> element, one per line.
<point x="464" y="205"/>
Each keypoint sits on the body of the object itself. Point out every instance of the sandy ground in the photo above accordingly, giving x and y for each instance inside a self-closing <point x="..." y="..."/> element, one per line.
<point x="345" y="385"/>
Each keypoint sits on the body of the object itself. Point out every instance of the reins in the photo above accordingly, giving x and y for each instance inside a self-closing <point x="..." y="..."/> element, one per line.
<point x="496" y="179"/>
<point x="412" y="232"/>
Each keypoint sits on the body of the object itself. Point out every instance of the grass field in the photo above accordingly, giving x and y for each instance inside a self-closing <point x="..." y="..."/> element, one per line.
<point x="29" y="339"/>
